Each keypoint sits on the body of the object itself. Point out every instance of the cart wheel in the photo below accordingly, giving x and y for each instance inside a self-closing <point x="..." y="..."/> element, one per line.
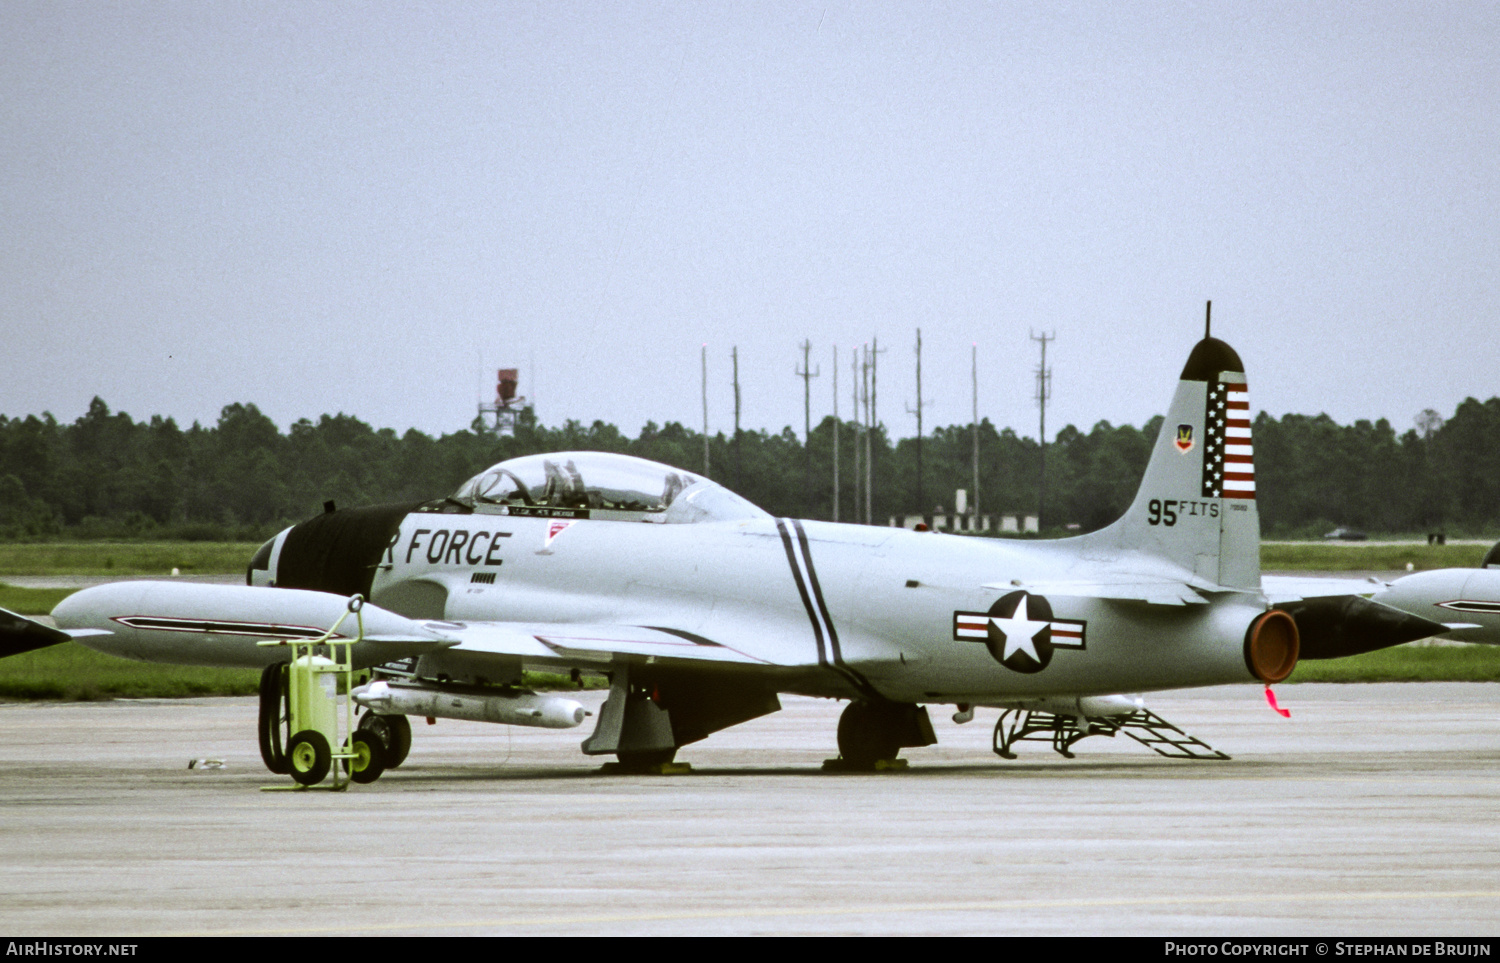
<point x="309" y="757"/>
<point x="369" y="757"/>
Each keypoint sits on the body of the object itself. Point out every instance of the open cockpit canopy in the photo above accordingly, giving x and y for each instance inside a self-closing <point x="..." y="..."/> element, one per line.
<point x="596" y="484"/>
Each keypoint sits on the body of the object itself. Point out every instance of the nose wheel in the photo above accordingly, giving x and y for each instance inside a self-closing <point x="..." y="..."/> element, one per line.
<point x="392" y="732"/>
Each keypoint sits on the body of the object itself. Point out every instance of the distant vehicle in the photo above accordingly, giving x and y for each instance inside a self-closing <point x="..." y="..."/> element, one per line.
<point x="1347" y="535"/>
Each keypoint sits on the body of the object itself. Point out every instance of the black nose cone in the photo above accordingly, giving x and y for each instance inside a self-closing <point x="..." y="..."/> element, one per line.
<point x="339" y="551"/>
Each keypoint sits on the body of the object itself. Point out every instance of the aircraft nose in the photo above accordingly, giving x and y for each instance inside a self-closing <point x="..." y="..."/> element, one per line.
<point x="337" y="551"/>
<point x="260" y="571"/>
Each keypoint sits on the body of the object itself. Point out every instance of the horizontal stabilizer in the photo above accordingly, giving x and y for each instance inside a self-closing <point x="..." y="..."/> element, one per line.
<point x="1164" y="592"/>
<point x="1292" y="588"/>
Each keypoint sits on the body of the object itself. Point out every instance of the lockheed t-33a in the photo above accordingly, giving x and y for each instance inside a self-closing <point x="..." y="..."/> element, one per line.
<point x="701" y="609"/>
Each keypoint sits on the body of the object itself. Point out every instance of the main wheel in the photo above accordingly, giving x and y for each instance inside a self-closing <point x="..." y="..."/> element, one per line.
<point x="394" y="733"/>
<point x="369" y="757"/>
<point x="275" y="719"/>
<point x="866" y="736"/>
<point x="309" y="757"/>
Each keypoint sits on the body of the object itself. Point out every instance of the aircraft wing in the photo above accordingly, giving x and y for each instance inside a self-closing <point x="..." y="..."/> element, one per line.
<point x="577" y="642"/>
<point x="221" y="625"/>
<point x="1338" y="617"/>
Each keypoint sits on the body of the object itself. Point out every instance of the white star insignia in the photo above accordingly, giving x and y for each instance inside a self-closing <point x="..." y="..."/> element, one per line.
<point x="1020" y="632"/>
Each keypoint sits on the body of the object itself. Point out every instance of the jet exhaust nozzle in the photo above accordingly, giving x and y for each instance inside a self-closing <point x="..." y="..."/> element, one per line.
<point x="517" y="708"/>
<point x="1272" y="645"/>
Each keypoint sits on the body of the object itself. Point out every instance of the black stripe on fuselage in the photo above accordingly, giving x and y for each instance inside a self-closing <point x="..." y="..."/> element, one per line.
<point x="799" y="557"/>
<point x="791" y="559"/>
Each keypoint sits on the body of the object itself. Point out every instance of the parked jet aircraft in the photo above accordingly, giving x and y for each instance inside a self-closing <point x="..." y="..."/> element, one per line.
<point x="701" y="608"/>
<point x="1460" y="604"/>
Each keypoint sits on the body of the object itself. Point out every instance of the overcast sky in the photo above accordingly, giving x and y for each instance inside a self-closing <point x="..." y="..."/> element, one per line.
<point x="322" y="207"/>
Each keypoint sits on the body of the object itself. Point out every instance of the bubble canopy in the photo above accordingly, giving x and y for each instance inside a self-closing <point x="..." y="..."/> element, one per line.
<point x="600" y="484"/>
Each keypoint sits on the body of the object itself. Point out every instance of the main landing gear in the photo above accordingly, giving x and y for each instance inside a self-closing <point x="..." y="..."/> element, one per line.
<point x="872" y="734"/>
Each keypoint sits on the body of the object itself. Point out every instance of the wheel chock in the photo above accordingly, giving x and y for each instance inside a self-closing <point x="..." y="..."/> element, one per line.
<point x="653" y="769"/>
<point x="879" y="765"/>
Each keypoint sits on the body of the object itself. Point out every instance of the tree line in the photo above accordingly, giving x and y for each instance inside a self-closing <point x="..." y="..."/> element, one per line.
<point x="107" y="475"/>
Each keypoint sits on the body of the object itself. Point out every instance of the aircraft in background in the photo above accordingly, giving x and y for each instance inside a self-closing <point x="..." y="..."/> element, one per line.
<point x="701" y="609"/>
<point x="1458" y="604"/>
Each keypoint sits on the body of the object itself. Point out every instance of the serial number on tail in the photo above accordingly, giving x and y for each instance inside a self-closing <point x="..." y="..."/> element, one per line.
<point x="1168" y="511"/>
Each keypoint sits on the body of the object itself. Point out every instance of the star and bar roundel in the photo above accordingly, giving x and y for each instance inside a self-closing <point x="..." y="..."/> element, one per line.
<point x="1019" y="631"/>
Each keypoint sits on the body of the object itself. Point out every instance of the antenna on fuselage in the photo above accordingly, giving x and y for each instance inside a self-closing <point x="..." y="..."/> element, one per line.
<point x="1208" y="320"/>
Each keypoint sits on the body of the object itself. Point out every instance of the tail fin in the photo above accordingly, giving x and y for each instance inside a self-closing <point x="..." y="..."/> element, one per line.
<point x="1196" y="503"/>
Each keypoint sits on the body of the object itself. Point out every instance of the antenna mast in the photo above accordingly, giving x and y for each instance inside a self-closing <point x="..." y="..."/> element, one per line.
<point x="854" y="382"/>
<point x="835" y="432"/>
<point x="734" y="353"/>
<point x="921" y="499"/>
<point x="807" y="374"/>
<point x="975" y="364"/>
<point x="1043" y="392"/>
<point x="705" y="410"/>
<point x="873" y="413"/>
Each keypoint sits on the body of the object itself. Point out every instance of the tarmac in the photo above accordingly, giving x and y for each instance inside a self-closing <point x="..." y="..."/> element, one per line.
<point x="1371" y="811"/>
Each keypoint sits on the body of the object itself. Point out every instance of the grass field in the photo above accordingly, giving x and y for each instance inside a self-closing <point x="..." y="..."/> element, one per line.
<point x="30" y="601"/>
<point x="1408" y="663"/>
<point x="125" y="558"/>
<point x="1325" y="557"/>
<point x="71" y="672"/>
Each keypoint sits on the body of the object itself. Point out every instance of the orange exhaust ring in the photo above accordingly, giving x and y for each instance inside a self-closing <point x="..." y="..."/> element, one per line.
<point x="1271" y="646"/>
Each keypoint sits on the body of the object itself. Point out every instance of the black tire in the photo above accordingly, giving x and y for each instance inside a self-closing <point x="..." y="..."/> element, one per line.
<point x="369" y="757"/>
<point x="275" y="718"/>
<point x="866" y="736"/>
<point x="309" y="757"/>
<point x="394" y="733"/>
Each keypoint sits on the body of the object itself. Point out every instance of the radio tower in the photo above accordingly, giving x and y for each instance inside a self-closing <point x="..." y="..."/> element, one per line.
<point x="507" y="406"/>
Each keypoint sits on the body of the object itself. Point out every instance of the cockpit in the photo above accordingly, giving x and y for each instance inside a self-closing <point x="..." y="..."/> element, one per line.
<point x="595" y="484"/>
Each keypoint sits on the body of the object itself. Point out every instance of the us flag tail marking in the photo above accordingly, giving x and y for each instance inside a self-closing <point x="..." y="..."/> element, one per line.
<point x="1228" y="456"/>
